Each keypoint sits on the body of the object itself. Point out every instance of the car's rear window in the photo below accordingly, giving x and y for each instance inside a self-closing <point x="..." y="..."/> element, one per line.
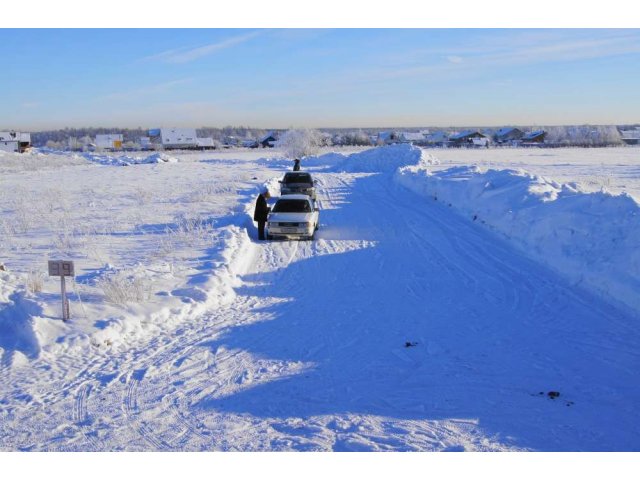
<point x="297" y="178"/>
<point x="292" y="206"/>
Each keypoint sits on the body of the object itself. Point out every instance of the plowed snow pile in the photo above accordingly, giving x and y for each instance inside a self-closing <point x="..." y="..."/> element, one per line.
<point x="591" y="238"/>
<point x="126" y="160"/>
<point x="376" y="160"/>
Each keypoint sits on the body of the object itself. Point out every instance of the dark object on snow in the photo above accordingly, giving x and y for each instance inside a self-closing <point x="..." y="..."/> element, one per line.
<point x="410" y="344"/>
<point x="261" y="212"/>
<point x="475" y="217"/>
<point x="553" y="394"/>
<point x="296" y="165"/>
<point x="2" y="267"/>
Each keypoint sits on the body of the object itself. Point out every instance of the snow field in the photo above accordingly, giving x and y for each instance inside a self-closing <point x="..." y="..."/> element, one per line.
<point x="407" y="325"/>
<point x="151" y="246"/>
<point x="614" y="169"/>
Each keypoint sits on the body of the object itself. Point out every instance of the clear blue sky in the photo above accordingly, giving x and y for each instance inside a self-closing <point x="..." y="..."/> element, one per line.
<point x="317" y="78"/>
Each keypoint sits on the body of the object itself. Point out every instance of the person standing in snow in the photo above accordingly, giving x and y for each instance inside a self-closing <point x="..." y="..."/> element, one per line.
<point x="296" y="165"/>
<point x="261" y="212"/>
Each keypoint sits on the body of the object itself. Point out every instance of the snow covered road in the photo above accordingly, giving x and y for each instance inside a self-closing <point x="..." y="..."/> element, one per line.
<point x="402" y="327"/>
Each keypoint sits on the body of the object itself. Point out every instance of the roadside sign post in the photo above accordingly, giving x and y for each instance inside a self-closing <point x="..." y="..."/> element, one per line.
<point x="62" y="269"/>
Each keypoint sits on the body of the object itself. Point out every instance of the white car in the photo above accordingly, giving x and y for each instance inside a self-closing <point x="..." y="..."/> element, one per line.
<point x="293" y="216"/>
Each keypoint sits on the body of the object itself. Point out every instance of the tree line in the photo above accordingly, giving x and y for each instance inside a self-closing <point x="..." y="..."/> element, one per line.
<point x="569" y="135"/>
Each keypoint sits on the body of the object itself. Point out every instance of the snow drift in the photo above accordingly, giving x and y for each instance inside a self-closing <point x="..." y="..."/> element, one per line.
<point x="376" y="160"/>
<point x="17" y="330"/>
<point x="226" y="260"/>
<point x="126" y="160"/>
<point x="592" y="238"/>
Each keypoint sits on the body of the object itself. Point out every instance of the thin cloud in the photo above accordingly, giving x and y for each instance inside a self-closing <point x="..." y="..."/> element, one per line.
<point x="189" y="54"/>
<point x="528" y="49"/>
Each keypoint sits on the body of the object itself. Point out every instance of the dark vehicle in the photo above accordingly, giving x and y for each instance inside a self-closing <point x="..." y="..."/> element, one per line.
<point x="298" y="182"/>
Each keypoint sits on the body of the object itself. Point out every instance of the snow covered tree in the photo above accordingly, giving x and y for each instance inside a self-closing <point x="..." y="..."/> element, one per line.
<point x="609" y="135"/>
<point x="584" y="135"/>
<point x="54" y="145"/>
<point x="356" y="138"/>
<point x="297" y="143"/>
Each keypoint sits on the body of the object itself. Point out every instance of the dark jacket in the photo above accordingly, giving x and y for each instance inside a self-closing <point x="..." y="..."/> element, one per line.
<point x="262" y="210"/>
<point x="296" y="165"/>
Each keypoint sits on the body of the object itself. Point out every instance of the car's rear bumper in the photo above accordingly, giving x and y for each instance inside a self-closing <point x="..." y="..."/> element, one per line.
<point x="302" y="191"/>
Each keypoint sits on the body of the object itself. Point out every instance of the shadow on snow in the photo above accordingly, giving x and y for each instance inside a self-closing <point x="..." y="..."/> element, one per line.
<point x="490" y="329"/>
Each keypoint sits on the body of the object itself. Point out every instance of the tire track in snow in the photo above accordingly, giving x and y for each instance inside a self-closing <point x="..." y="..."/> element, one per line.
<point x="132" y="411"/>
<point x="81" y="415"/>
<point x="181" y="348"/>
<point x="460" y="245"/>
<point x="234" y="366"/>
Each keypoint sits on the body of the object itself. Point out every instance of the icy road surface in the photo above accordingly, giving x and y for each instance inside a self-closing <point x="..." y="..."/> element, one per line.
<point x="402" y="327"/>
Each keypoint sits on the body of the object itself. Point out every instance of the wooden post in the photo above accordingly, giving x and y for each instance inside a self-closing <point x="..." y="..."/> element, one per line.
<point x="61" y="268"/>
<point x="65" y="302"/>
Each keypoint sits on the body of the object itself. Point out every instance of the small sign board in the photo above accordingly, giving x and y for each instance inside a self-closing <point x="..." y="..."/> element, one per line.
<point x="61" y="268"/>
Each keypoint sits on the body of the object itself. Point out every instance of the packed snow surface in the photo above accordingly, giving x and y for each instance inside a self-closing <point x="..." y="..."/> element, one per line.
<point x="441" y="307"/>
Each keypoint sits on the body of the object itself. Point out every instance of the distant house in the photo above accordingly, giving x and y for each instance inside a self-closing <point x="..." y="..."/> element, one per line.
<point x="268" y="141"/>
<point x="508" y="135"/>
<point x="630" y="137"/>
<point x="231" y="141"/>
<point x="25" y="141"/>
<point x="536" y="136"/>
<point x="109" y="141"/>
<point x="415" y="138"/>
<point x="145" y="143"/>
<point x="176" y="138"/>
<point x="205" y="143"/>
<point x="469" y="138"/>
<point x="15" y="141"/>
<point x="387" y="138"/>
<point x="439" y="138"/>
<point x="9" y="142"/>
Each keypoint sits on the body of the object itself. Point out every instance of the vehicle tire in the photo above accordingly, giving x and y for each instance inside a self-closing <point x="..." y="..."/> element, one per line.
<point x="317" y="227"/>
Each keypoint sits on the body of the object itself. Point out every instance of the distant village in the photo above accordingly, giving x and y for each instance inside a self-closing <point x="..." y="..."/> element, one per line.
<point x="188" y="139"/>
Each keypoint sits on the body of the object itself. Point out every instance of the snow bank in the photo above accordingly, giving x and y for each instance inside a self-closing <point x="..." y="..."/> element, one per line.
<point x="229" y="257"/>
<point x="18" y="337"/>
<point x="36" y="160"/>
<point x="31" y="324"/>
<point x="385" y="159"/>
<point x="126" y="160"/>
<point x="592" y="238"/>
